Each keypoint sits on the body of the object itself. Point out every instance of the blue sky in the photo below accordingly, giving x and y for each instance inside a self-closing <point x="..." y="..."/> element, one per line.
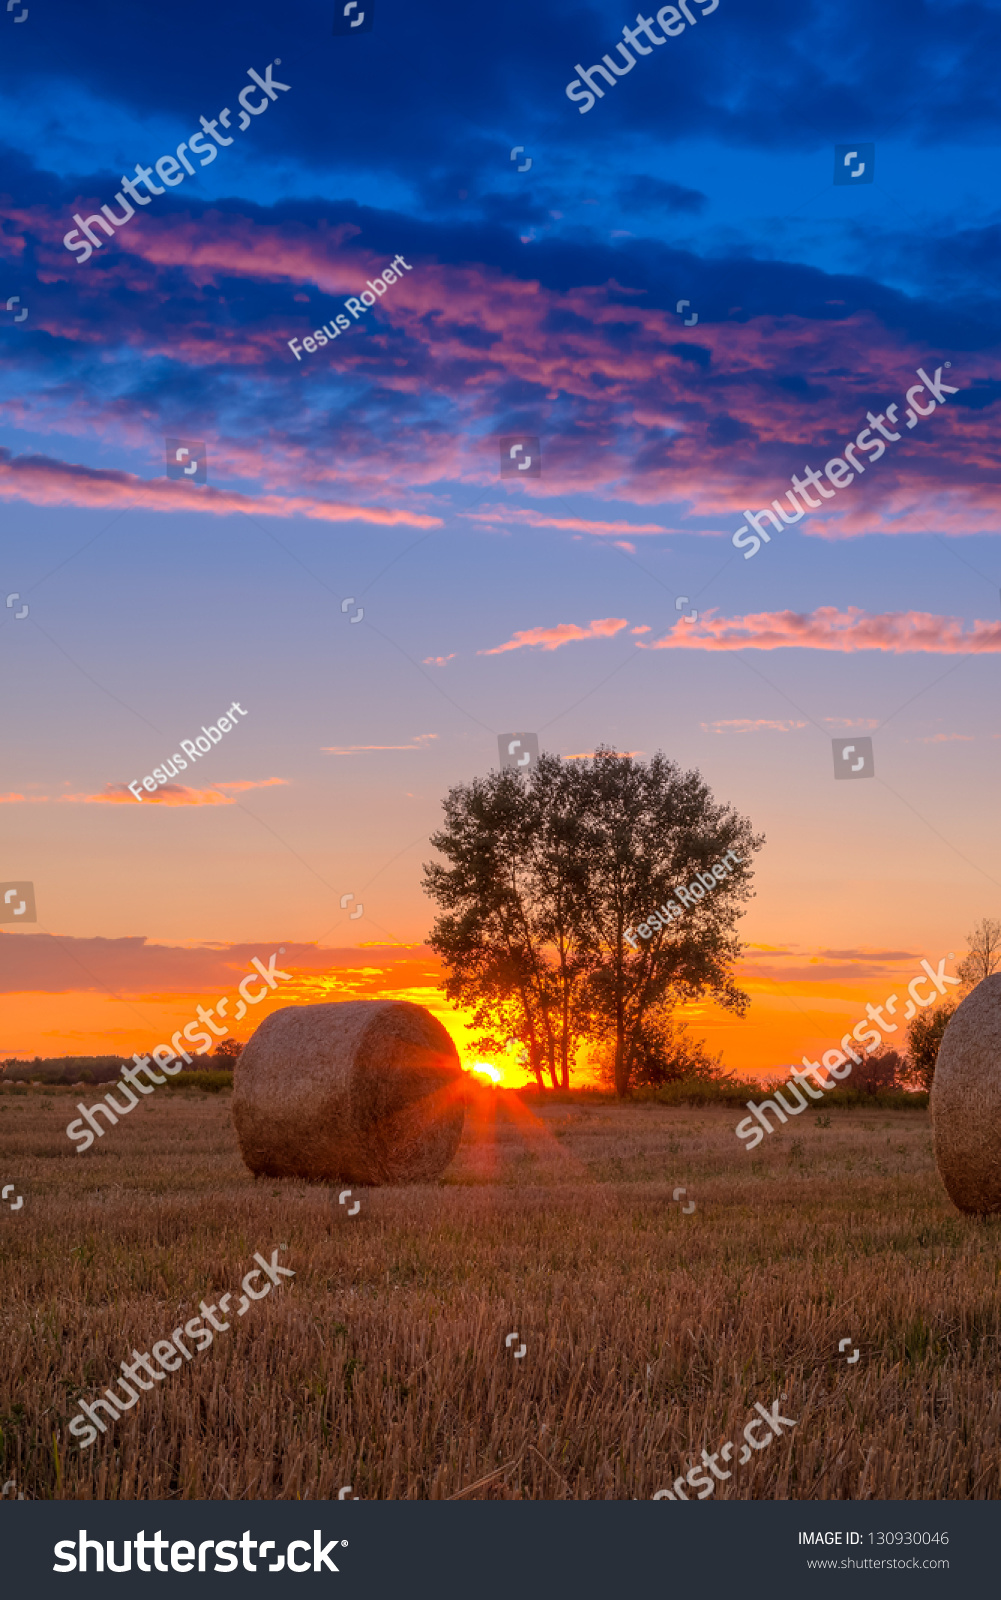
<point x="542" y="302"/>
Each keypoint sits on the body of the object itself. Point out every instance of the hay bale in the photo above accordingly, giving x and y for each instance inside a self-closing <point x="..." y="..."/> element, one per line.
<point x="369" y="1091"/>
<point x="966" y="1101"/>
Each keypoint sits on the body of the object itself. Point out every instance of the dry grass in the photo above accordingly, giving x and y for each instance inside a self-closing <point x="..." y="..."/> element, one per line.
<point x="383" y="1365"/>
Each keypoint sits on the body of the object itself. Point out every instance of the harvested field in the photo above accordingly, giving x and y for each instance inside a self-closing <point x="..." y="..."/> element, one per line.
<point x="649" y="1333"/>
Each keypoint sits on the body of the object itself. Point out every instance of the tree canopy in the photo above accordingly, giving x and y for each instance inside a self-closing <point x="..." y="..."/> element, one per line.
<point x="545" y="882"/>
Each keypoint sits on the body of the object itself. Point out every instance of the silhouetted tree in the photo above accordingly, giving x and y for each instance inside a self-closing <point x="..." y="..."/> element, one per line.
<point x="547" y="873"/>
<point x="984" y="954"/>
<point x="884" y="1069"/>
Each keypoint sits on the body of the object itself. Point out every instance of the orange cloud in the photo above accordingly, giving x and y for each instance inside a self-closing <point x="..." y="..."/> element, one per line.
<point x="563" y="633"/>
<point x="169" y="794"/>
<point x="252" y="783"/>
<point x="827" y="628"/>
<point x="437" y="661"/>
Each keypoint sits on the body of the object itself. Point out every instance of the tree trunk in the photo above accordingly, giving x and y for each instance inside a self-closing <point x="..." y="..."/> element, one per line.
<point x="621" y="1057"/>
<point x="622" y="1073"/>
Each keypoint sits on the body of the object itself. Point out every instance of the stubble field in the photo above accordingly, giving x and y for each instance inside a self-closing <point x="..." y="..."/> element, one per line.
<point x="382" y="1364"/>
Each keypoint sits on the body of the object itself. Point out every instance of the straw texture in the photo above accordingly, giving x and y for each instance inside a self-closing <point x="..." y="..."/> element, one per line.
<point x="966" y="1101"/>
<point x="369" y="1091"/>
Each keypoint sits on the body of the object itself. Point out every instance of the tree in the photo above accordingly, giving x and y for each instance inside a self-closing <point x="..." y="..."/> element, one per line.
<point x="924" y="1037"/>
<point x="227" y="1051"/>
<point x="548" y="873"/>
<point x="984" y="954"/>
<point x="886" y="1068"/>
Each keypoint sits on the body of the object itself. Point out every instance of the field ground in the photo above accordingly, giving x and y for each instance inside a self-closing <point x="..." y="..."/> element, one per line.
<point x="650" y="1333"/>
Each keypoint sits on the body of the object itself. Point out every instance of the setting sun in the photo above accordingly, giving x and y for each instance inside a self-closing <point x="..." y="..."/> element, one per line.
<point x="488" y="1071"/>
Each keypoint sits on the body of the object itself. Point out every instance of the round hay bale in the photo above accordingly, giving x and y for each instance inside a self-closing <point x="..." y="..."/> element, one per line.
<point x="369" y="1091"/>
<point x="966" y="1101"/>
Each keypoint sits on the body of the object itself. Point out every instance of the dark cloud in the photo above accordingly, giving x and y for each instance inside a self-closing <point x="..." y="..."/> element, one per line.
<point x="134" y="966"/>
<point x="870" y="956"/>
<point x="653" y="194"/>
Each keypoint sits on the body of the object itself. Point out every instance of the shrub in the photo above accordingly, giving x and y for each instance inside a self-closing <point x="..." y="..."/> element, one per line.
<point x="923" y="1040"/>
<point x="211" y="1082"/>
<point x="666" y="1056"/>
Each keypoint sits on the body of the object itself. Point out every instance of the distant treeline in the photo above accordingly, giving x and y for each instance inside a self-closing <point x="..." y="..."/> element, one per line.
<point x="85" y="1069"/>
<point x="729" y="1091"/>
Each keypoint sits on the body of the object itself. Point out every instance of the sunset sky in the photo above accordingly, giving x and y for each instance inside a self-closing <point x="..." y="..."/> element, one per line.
<point x="366" y="476"/>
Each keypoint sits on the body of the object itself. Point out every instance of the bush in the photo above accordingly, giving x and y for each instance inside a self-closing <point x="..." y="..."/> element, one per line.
<point x="211" y="1082"/>
<point x="667" y="1055"/>
<point x="703" y="1092"/>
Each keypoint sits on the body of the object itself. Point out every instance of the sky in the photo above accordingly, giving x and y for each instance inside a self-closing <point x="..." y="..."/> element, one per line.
<point x="667" y="290"/>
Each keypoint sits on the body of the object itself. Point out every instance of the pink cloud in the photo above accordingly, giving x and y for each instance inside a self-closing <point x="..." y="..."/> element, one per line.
<point x="747" y="725"/>
<point x="643" y="424"/>
<point x="44" y="481"/>
<point x="563" y="633"/>
<point x="537" y="519"/>
<point x="827" y="628"/>
<point x="437" y="661"/>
